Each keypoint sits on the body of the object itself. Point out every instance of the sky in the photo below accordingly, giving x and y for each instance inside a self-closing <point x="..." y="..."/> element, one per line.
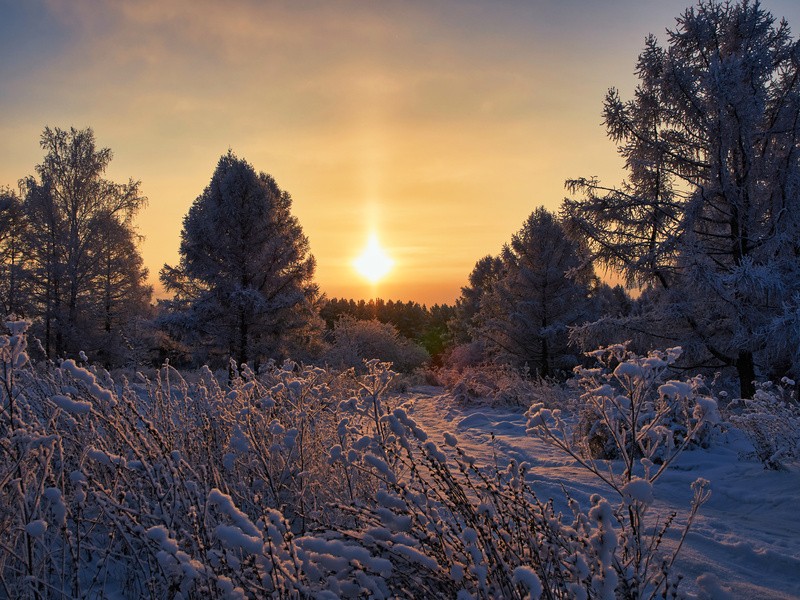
<point x="436" y="127"/>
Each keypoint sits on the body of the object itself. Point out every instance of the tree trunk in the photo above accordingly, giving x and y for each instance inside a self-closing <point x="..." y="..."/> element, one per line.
<point x="745" y="368"/>
<point x="108" y="293"/>
<point x="545" y="370"/>
<point x="243" y="335"/>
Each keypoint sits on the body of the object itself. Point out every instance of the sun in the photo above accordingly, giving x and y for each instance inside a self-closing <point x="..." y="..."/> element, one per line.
<point x="373" y="263"/>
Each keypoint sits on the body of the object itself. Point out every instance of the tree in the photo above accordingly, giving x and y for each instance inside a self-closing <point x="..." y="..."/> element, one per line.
<point x="12" y="254"/>
<point x="485" y="275"/>
<point x="123" y="298"/>
<point x="243" y="287"/>
<point x="544" y="289"/>
<point x="77" y="220"/>
<point x="710" y="213"/>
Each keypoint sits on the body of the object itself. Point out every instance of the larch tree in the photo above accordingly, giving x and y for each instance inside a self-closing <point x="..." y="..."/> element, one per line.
<point x="244" y="286"/>
<point x="544" y="289"/>
<point x="76" y="220"/>
<point x="484" y="276"/>
<point x="123" y="298"/>
<point x="710" y="213"/>
<point x="13" y="299"/>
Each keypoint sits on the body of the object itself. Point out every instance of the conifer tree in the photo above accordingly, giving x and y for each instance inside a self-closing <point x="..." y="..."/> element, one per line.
<point x="519" y="306"/>
<point x="543" y="290"/>
<point x="710" y="213"/>
<point x="243" y="287"/>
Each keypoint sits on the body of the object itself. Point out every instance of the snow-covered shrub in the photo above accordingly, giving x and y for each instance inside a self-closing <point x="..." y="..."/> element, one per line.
<point x="297" y="482"/>
<point x="629" y="410"/>
<point x="771" y="420"/>
<point x="497" y="385"/>
<point x="644" y="422"/>
<point x="285" y="423"/>
<point x="111" y="486"/>
<point x="452" y="528"/>
<point x="355" y="341"/>
<point x="461" y="356"/>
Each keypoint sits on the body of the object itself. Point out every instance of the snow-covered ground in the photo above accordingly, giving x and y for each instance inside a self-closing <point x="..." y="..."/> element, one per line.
<point x="747" y="535"/>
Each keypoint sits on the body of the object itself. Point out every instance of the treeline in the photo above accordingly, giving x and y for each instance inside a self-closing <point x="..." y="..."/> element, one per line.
<point x="243" y="289"/>
<point x="427" y="326"/>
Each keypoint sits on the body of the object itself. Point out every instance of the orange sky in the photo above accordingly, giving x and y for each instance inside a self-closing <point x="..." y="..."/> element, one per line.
<point x="438" y="126"/>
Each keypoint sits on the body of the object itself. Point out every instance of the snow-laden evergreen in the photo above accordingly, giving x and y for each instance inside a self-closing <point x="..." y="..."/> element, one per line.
<point x="243" y="287"/>
<point x="518" y="306"/>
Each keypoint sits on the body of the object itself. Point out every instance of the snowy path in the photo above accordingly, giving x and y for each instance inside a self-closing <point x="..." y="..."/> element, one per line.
<point x="748" y="534"/>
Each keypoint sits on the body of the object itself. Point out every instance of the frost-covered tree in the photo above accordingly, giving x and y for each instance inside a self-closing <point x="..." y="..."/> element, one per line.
<point x="710" y="213"/>
<point x="123" y="307"/>
<point x="519" y="305"/>
<point x="544" y="288"/>
<point x="12" y="254"/>
<point x="485" y="275"/>
<point x="244" y="286"/>
<point x="77" y="220"/>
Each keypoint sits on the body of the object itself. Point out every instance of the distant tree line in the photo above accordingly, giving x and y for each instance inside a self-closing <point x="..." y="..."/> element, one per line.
<point x="427" y="326"/>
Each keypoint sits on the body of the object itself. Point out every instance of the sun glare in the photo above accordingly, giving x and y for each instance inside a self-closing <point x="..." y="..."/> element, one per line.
<point x="373" y="263"/>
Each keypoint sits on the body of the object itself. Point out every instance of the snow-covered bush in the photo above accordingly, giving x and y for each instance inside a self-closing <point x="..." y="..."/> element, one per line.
<point x="154" y="487"/>
<point x="629" y="410"/>
<point x="297" y="482"/>
<point x="644" y="422"/>
<point x="355" y="341"/>
<point x="771" y="420"/>
<point x="452" y="528"/>
<point x="465" y="355"/>
<point x="497" y="385"/>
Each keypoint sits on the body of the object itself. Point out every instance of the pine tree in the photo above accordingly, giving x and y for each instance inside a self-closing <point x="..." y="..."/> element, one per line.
<point x="244" y="286"/>
<point x="484" y="276"/>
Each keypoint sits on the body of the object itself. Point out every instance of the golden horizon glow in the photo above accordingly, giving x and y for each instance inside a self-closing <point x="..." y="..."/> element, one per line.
<point x="373" y="263"/>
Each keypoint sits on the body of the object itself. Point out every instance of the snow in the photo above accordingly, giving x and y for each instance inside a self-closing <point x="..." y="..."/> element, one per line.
<point x="527" y="577"/>
<point x="225" y="503"/>
<point x="233" y="537"/>
<point x="628" y="370"/>
<point x="78" y="407"/>
<point x="36" y="528"/>
<point x="639" y="490"/>
<point x="88" y="378"/>
<point x="747" y="535"/>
